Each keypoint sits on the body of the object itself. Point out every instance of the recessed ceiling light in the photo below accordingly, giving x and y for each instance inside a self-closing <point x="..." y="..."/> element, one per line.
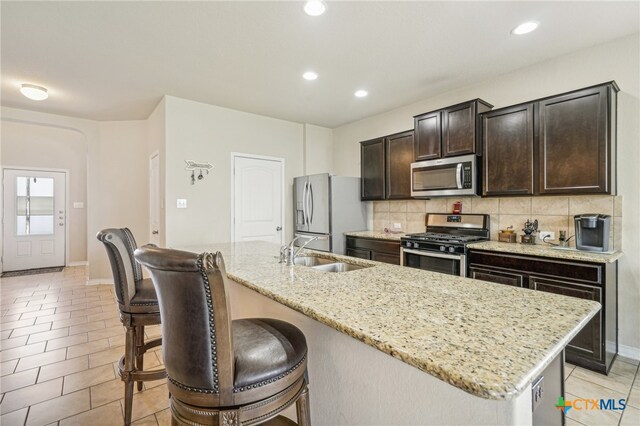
<point x="310" y="75"/>
<point x="33" y="92"/>
<point x="524" y="28"/>
<point x="315" y="7"/>
<point x="361" y="93"/>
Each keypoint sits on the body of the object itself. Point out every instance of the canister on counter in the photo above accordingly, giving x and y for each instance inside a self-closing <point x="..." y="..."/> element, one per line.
<point x="507" y="235"/>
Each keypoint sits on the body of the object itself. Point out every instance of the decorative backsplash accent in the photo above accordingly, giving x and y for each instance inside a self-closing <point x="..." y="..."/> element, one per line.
<point x="553" y="213"/>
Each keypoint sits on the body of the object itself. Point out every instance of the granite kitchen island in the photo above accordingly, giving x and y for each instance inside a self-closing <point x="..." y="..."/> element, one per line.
<point x="394" y="345"/>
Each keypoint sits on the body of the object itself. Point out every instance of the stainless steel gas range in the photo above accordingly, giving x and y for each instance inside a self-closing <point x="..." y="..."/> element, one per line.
<point x="443" y="247"/>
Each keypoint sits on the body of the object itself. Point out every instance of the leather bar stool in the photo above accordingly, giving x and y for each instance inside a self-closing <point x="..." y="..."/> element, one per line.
<point x="222" y="372"/>
<point x="138" y="305"/>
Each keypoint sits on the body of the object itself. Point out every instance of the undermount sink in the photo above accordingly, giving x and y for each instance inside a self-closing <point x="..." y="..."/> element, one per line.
<point x="311" y="261"/>
<point x="326" y="265"/>
<point x="339" y="267"/>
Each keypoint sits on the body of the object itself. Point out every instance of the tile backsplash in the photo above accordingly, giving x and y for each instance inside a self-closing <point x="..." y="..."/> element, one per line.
<point x="553" y="213"/>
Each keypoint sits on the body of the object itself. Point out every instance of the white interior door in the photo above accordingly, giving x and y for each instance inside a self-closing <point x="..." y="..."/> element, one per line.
<point x="34" y="219"/>
<point x="154" y="199"/>
<point x="258" y="199"/>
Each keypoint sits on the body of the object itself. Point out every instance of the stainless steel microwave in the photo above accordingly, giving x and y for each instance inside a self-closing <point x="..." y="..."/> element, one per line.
<point x="445" y="177"/>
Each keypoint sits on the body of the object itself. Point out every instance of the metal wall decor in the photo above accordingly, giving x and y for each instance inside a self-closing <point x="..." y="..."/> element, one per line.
<point x="192" y="166"/>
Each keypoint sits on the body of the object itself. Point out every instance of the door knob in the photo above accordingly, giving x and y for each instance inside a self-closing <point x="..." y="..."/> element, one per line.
<point x="278" y="228"/>
<point x="155" y="232"/>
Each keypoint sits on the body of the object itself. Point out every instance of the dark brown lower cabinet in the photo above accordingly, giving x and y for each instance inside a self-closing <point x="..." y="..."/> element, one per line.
<point x="589" y="340"/>
<point x="362" y="254"/>
<point x="374" y="249"/>
<point x="596" y="346"/>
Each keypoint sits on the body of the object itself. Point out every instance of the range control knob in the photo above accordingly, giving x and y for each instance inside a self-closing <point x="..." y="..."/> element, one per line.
<point x="407" y="243"/>
<point x="415" y="245"/>
<point x="451" y="249"/>
<point x="443" y="248"/>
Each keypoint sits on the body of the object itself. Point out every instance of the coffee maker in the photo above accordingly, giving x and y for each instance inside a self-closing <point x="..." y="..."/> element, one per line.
<point x="592" y="232"/>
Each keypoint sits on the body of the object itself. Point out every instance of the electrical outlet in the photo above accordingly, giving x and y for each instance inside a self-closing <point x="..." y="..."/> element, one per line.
<point x="397" y="225"/>
<point x="548" y="234"/>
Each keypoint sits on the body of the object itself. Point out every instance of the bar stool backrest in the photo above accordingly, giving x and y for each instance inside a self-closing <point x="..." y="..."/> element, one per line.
<point x="120" y="246"/>
<point x="196" y="326"/>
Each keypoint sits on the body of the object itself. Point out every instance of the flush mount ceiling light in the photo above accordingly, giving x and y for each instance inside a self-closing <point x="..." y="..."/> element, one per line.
<point x="33" y="92"/>
<point x="361" y="93"/>
<point x="315" y="7"/>
<point x="525" y="27"/>
<point x="310" y="75"/>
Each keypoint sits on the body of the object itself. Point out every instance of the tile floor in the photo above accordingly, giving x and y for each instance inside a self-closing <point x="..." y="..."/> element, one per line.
<point x="61" y="340"/>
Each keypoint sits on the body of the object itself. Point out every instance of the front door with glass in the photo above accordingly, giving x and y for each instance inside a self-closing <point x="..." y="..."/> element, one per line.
<point x="34" y="219"/>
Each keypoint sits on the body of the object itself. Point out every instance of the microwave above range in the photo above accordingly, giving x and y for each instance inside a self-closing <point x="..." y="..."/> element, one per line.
<point x="445" y="177"/>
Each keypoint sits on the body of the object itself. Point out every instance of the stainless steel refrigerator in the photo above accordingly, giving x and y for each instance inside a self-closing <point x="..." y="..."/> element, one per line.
<point x="327" y="206"/>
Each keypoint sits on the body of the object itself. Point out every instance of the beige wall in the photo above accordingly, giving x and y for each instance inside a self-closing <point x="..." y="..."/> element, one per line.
<point x="207" y="133"/>
<point x="318" y="149"/>
<point x="44" y="147"/>
<point x="618" y="60"/>
<point x="123" y="187"/>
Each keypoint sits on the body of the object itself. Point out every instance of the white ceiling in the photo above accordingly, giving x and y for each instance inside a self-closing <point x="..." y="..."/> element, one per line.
<point x="115" y="60"/>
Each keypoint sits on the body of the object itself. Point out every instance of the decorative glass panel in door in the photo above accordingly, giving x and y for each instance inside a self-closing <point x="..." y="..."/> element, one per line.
<point x="34" y="206"/>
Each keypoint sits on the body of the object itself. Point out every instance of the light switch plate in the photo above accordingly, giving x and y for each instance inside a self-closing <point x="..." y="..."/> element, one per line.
<point x="181" y="203"/>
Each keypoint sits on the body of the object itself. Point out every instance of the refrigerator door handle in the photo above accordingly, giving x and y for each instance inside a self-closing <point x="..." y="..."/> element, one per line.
<point x="311" y="202"/>
<point x="307" y="207"/>
<point x="304" y="204"/>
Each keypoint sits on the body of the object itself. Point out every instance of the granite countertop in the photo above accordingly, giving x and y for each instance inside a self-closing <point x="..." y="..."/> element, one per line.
<point x="376" y="235"/>
<point x="487" y="339"/>
<point x="545" y="250"/>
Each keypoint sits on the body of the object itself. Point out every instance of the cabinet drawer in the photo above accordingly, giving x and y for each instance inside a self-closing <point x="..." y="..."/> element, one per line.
<point x="587" y="272"/>
<point x="499" y="277"/>
<point x="374" y="245"/>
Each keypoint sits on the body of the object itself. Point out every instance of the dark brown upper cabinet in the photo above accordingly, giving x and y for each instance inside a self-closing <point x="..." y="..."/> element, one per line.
<point x="372" y="173"/>
<point x="575" y="140"/>
<point x="399" y="156"/>
<point x="563" y="144"/>
<point x="448" y="132"/>
<point x="507" y="138"/>
<point x="386" y="167"/>
<point x="428" y="136"/>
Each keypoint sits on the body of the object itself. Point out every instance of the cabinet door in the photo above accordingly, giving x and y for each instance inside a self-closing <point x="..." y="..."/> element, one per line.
<point x="372" y="170"/>
<point x="573" y="143"/>
<point x="428" y="136"/>
<point x="393" y="259"/>
<point x="399" y="150"/>
<point x="499" y="277"/>
<point x="459" y="130"/>
<point x="507" y="136"/>
<point x="588" y="343"/>
<point x="362" y="254"/>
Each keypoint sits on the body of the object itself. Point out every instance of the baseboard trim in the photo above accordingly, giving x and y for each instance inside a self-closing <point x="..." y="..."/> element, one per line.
<point x="97" y="281"/>
<point x="629" y="352"/>
<point x="78" y="263"/>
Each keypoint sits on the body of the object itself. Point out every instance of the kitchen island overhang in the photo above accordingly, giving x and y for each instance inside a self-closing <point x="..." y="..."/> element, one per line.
<point x="480" y="343"/>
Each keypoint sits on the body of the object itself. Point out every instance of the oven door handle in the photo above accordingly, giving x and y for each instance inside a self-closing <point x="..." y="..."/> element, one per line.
<point x="432" y="254"/>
